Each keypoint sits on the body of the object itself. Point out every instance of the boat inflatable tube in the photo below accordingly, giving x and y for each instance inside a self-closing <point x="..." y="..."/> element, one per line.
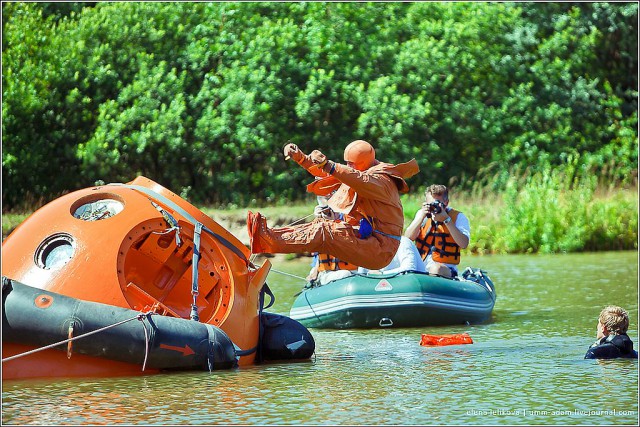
<point x="284" y="338"/>
<point x="37" y="317"/>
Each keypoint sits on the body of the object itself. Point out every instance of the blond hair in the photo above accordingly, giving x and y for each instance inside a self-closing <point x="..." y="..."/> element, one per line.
<point x="438" y="190"/>
<point x="615" y="319"/>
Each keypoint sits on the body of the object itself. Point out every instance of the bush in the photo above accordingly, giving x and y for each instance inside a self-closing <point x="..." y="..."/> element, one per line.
<point x="201" y="97"/>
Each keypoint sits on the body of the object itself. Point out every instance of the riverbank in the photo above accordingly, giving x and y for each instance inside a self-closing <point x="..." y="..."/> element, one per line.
<point x="526" y="220"/>
<point x="530" y="218"/>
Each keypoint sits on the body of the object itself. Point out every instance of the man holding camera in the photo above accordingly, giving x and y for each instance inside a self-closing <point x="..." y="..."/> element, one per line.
<point x="440" y="232"/>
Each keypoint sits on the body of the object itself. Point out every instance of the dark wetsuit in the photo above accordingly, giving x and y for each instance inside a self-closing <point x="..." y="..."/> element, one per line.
<point x="612" y="347"/>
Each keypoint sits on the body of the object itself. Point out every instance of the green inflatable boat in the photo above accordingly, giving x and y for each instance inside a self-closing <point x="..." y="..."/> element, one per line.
<point x="407" y="299"/>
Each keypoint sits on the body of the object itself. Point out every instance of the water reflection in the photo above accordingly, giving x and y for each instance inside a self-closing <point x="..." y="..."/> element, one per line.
<point x="525" y="367"/>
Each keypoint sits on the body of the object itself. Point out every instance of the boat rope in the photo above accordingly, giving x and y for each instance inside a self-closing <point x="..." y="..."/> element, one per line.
<point x="252" y="258"/>
<point x="70" y="335"/>
<point x="276" y="271"/>
<point x="288" y="274"/>
<point x="139" y="316"/>
<point x="311" y="306"/>
<point x="300" y="219"/>
<point x="146" y="342"/>
<point x="167" y="231"/>
<point x="170" y="220"/>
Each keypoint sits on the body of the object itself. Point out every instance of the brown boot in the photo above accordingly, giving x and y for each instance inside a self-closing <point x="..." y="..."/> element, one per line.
<point x="254" y="223"/>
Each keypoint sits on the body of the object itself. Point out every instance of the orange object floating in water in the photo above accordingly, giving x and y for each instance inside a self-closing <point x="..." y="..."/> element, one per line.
<point x="447" y="339"/>
<point x="95" y="259"/>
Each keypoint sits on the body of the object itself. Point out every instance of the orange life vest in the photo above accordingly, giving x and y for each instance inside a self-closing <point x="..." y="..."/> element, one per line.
<point x="446" y="339"/>
<point x="327" y="262"/>
<point x="435" y="237"/>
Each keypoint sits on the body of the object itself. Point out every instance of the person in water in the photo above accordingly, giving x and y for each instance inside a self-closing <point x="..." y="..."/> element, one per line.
<point x="612" y="339"/>
<point x="367" y="193"/>
<point x="440" y="232"/>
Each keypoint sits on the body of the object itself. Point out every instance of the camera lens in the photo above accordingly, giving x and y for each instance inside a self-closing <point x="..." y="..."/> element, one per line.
<point x="436" y="207"/>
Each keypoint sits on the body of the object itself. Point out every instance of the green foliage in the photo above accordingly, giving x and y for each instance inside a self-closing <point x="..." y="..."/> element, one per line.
<point x="201" y="97"/>
<point x="546" y="213"/>
<point x="559" y="210"/>
<point x="612" y="223"/>
<point x="604" y="219"/>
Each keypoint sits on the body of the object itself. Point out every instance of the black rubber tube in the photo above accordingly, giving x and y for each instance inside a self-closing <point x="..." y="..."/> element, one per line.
<point x="37" y="317"/>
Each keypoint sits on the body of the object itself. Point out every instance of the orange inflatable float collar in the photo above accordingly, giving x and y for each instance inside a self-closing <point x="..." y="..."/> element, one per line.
<point x="447" y="339"/>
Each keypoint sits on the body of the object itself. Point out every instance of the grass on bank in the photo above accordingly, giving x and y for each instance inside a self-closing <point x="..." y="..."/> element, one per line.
<point x="526" y="222"/>
<point x="547" y="213"/>
<point x="543" y="214"/>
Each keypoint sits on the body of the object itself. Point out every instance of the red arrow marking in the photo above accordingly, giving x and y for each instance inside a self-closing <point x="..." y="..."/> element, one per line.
<point x="186" y="351"/>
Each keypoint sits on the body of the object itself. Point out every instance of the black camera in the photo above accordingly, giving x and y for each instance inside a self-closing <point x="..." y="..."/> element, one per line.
<point x="435" y="207"/>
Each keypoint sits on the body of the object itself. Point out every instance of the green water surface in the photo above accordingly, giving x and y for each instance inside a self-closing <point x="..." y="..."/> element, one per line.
<point x="525" y="366"/>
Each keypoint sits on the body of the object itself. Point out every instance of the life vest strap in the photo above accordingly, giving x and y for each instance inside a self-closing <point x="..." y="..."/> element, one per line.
<point x="393" y="236"/>
<point x="368" y="226"/>
<point x="445" y="253"/>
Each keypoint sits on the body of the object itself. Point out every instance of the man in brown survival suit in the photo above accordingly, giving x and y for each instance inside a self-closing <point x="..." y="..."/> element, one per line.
<point x="368" y="194"/>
